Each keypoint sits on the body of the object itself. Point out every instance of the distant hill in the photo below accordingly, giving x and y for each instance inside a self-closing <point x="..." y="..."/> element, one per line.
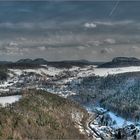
<point x="121" y="62"/>
<point x="39" y="61"/>
<point x="70" y="63"/>
<point x="116" y="62"/>
<point x="42" y="115"/>
<point x="24" y="61"/>
<point x="28" y="63"/>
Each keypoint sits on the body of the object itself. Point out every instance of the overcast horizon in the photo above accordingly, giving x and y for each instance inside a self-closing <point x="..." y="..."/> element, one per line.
<point x="94" y="31"/>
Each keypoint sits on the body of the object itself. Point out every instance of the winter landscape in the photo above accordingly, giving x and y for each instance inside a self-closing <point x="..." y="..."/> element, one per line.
<point x="70" y="69"/>
<point x="109" y="92"/>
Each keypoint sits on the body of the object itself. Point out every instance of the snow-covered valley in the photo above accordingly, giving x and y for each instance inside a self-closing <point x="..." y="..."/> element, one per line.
<point x="70" y="83"/>
<point x="80" y="71"/>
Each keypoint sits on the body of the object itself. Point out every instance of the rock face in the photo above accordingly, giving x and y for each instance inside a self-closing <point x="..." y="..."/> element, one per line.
<point x="121" y="62"/>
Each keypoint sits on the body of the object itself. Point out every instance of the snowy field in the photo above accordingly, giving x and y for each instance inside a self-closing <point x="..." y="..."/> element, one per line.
<point x="111" y="71"/>
<point x="9" y="99"/>
<point x="41" y="71"/>
<point x="81" y="72"/>
<point x="106" y="71"/>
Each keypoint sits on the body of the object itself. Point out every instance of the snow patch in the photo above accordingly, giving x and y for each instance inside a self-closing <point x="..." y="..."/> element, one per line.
<point x="9" y="99"/>
<point x="120" y="122"/>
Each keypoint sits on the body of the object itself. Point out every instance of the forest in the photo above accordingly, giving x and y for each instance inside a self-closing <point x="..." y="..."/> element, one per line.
<point x="119" y="93"/>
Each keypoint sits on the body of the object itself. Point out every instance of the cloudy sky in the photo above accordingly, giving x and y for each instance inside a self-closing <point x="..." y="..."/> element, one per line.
<point x="62" y="30"/>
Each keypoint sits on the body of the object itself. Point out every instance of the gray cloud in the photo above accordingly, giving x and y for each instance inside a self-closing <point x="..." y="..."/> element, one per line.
<point x="106" y="50"/>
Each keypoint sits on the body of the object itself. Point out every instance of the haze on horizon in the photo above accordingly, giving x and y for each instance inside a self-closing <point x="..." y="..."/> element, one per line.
<point x="62" y="30"/>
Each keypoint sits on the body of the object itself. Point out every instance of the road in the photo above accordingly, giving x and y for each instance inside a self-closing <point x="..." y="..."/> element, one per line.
<point x="95" y="133"/>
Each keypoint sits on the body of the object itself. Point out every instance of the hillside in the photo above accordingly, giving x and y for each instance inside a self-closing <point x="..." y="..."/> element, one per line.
<point x="41" y="115"/>
<point x="99" y="90"/>
<point x="121" y="62"/>
<point x="111" y="91"/>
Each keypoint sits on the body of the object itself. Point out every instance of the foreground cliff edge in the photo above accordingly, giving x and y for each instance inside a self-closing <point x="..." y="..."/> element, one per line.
<point x="42" y="115"/>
